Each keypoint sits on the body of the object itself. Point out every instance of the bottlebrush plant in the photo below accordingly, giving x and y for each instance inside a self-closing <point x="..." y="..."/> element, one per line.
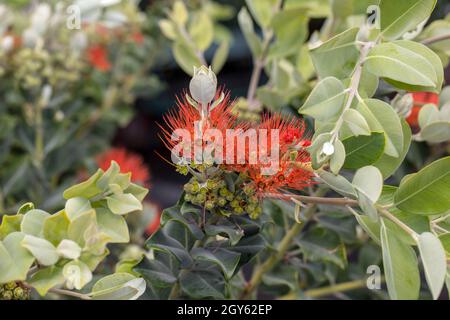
<point x="236" y="235"/>
<point x="64" y="91"/>
<point x="44" y="252"/>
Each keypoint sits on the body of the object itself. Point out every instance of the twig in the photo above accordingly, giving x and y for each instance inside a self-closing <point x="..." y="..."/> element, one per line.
<point x="63" y="292"/>
<point x="278" y="255"/>
<point x="316" y="200"/>
<point x="435" y="39"/>
<point x="330" y="290"/>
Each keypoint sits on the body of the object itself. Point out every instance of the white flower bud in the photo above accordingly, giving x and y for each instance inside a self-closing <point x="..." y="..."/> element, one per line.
<point x="327" y="149"/>
<point x="203" y="85"/>
<point x="7" y="43"/>
<point x="403" y="104"/>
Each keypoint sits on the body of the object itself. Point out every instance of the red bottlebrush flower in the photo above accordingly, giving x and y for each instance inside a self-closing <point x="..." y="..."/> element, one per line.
<point x="293" y="169"/>
<point x="420" y="99"/>
<point x="137" y="37"/>
<point x="98" y="57"/>
<point x="128" y="162"/>
<point x="185" y="116"/>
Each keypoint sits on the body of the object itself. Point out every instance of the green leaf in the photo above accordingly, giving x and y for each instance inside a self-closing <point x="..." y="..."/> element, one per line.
<point x="15" y="260"/>
<point x="436" y="132"/>
<point x="426" y="192"/>
<point x="400" y="267"/>
<point x="201" y="31"/>
<point x="225" y="259"/>
<point x="369" y="181"/>
<point x="356" y="122"/>
<point x="136" y="190"/>
<point x="80" y="225"/>
<point x="173" y="214"/>
<point x="77" y="275"/>
<point x="290" y="28"/>
<point x="434" y="262"/>
<point x="363" y="150"/>
<point x="202" y="284"/>
<point x="247" y="28"/>
<point x="10" y="224"/>
<point x="337" y="159"/>
<point x="431" y="57"/>
<point x="179" y="13"/>
<point x="445" y="240"/>
<point x="114" y="226"/>
<point x="220" y="56"/>
<point x="338" y="184"/>
<point x="86" y="189"/>
<point x="387" y="164"/>
<point x="381" y="117"/>
<point x="163" y="242"/>
<point x="398" y="17"/>
<point x="68" y="249"/>
<point x="33" y="222"/>
<point x="186" y="57"/>
<point x="168" y="29"/>
<point x="428" y="113"/>
<point x="55" y="227"/>
<point x="118" y="286"/>
<point x="230" y="231"/>
<point x="396" y="62"/>
<point x="41" y="249"/>
<point x="326" y="100"/>
<point x="25" y="208"/>
<point x="336" y="57"/>
<point x="262" y="11"/>
<point x="123" y="203"/>
<point x="45" y="279"/>
<point x="156" y="273"/>
<point x="76" y="206"/>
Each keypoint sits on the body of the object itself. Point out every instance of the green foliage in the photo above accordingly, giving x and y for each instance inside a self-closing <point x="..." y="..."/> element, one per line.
<point x="62" y="246"/>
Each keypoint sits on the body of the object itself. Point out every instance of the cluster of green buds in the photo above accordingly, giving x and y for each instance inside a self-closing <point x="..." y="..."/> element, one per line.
<point x="14" y="291"/>
<point x="36" y="67"/>
<point x="243" y="112"/>
<point x="216" y="196"/>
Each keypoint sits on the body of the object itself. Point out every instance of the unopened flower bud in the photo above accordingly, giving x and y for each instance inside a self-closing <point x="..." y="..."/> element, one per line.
<point x="7" y="44"/>
<point x="403" y="104"/>
<point x="203" y="85"/>
<point x="327" y="149"/>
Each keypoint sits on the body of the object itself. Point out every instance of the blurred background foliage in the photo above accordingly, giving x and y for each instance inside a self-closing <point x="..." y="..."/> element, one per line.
<point x="66" y="99"/>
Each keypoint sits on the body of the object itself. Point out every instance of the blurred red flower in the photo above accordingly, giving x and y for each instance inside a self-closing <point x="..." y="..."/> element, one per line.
<point x="293" y="159"/>
<point x="128" y="162"/>
<point x="137" y="37"/>
<point x="97" y="56"/>
<point x="420" y="99"/>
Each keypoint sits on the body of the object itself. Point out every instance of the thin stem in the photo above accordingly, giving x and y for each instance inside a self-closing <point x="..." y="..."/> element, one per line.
<point x="435" y="39"/>
<point x="316" y="200"/>
<point x="398" y="222"/>
<point x="63" y="292"/>
<point x="278" y="255"/>
<point x="39" y="137"/>
<point x="259" y="64"/>
<point x="189" y="40"/>
<point x="330" y="290"/>
<point x="70" y="294"/>
<point x="354" y="85"/>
